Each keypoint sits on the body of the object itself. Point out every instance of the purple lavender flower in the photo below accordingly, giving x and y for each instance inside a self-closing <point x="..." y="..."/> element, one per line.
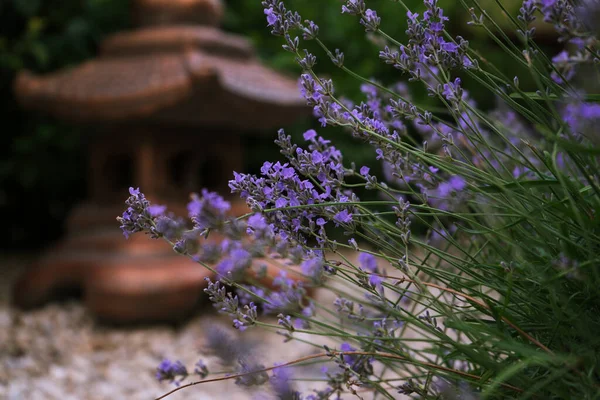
<point x="201" y="369"/>
<point x="170" y="227"/>
<point x="314" y="268"/>
<point x="310" y="135"/>
<point x="452" y="91"/>
<point x="248" y="316"/>
<point x="208" y="210"/>
<point x="370" y="20"/>
<point x="354" y="7"/>
<point x="447" y="194"/>
<point x="441" y="234"/>
<point x="311" y="90"/>
<point x="231" y="351"/>
<point x="375" y="281"/>
<point x="211" y="253"/>
<point x="338" y="58"/>
<point x="170" y="371"/>
<point x="582" y="119"/>
<point x="568" y="265"/>
<point x="576" y="25"/>
<point x="252" y="373"/>
<point x="427" y="49"/>
<point x="187" y="243"/>
<point x="360" y="364"/>
<point x="239" y="325"/>
<point x="224" y="345"/>
<point x="285" y="185"/>
<point x="527" y="16"/>
<point x="386" y="327"/>
<point x="210" y="201"/>
<point x="136" y="218"/>
<point x="345" y="306"/>
<point x="343" y="217"/>
<point x="237" y="262"/>
<point x="587" y="12"/>
<point x="271" y="16"/>
<point x="227" y="303"/>
<point x="367" y="262"/>
<point x="279" y="18"/>
<point x="346" y="347"/>
<point x="310" y="30"/>
<point x="287" y="298"/>
<point x="258" y="228"/>
<point x="565" y="67"/>
<point x="286" y="322"/>
<point x="430" y="320"/>
<point x="409" y="387"/>
<point x="454" y="184"/>
<point x="282" y="385"/>
<point x="156" y="210"/>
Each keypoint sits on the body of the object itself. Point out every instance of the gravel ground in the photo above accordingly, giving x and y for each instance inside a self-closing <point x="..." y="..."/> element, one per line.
<point x="59" y="352"/>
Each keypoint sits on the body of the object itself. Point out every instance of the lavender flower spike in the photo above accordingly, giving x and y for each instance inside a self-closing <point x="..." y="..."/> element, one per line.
<point x="168" y="370"/>
<point x="137" y="217"/>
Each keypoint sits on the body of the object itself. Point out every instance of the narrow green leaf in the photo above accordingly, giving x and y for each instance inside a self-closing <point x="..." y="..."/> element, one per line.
<point x="525" y="184"/>
<point x="535" y="96"/>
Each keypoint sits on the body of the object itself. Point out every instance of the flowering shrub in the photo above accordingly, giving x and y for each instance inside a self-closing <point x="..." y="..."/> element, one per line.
<point x="495" y="293"/>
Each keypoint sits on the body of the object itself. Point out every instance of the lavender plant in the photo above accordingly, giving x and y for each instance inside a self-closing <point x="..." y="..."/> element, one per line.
<point x="475" y="272"/>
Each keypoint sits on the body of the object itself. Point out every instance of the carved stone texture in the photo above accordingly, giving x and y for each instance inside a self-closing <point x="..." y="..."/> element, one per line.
<point x="167" y="163"/>
<point x="190" y="74"/>
<point x="176" y="39"/>
<point x="166" y="105"/>
<point x="167" y="88"/>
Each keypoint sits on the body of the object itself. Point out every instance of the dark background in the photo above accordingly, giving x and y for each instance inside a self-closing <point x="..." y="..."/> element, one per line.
<point x="42" y="165"/>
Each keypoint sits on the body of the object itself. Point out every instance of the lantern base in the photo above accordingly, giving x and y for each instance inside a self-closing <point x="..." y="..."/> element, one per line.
<point x="135" y="280"/>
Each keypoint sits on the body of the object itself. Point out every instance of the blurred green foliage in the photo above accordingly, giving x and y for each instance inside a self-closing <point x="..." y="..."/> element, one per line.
<point x="42" y="165"/>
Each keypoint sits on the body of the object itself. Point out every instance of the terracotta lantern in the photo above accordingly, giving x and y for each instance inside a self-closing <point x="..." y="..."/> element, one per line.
<point x="165" y="106"/>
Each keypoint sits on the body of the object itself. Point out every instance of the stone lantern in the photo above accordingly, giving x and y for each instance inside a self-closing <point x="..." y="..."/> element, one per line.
<point x="165" y="106"/>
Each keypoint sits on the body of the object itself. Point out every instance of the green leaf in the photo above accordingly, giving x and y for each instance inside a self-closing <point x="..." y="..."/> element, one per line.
<point x="78" y="27"/>
<point x="27" y="8"/>
<point x="39" y="51"/>
<point x="524" y="184"/>
<point x="535" y="96"/>
<point x="576" y="147"/>
<point x="35" y="26"/>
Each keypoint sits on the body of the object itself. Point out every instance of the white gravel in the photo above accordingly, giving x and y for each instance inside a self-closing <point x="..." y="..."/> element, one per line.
<point x="59" y="352"/>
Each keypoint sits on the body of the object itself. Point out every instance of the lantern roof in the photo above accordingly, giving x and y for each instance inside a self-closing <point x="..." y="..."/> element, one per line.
<point x="169" y="70"/>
